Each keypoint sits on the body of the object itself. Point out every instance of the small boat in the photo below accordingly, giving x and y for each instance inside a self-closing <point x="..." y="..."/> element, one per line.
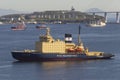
<point x="96" y="23"/>
<point x="41" y="26"/>
<point x="1" y="22"/>
<point x="19" y="26"/>
<point x="50" y="49"/>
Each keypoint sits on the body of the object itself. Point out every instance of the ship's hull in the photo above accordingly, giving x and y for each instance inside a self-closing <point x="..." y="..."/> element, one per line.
<point x="23" y="56"/>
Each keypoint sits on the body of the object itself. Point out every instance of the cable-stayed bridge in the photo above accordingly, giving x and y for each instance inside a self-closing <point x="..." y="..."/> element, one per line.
<point x="105" y="14"/>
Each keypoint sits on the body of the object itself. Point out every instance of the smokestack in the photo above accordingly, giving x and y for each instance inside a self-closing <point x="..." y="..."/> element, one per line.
<point x="68" y="38"/>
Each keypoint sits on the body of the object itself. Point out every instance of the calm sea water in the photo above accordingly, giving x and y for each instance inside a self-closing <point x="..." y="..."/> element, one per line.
<point x="105" y="39"/>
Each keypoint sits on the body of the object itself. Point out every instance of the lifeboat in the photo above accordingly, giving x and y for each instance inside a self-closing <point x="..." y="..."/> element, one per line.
<point x="71" y="50"/>
<point x="79" y="50"/>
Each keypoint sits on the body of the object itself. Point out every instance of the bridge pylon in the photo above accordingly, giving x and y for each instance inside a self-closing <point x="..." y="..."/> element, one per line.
<point x="105" y="15"/>
<point x="117" y="17"/>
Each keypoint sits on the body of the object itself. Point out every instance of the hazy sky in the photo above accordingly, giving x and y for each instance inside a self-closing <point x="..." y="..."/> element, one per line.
<point x="43" y="5"/>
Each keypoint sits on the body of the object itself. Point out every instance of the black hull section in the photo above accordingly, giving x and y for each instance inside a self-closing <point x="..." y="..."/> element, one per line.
<point x="22" y="56"/>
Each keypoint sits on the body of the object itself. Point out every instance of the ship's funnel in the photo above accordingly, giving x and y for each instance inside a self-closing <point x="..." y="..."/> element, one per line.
<point x="68" y="38"/>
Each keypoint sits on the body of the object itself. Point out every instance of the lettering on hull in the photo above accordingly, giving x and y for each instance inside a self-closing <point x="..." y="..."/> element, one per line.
<point x="66" y="55"/>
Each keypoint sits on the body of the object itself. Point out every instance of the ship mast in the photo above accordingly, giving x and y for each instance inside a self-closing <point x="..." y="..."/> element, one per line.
<point x="79" y="40"/>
